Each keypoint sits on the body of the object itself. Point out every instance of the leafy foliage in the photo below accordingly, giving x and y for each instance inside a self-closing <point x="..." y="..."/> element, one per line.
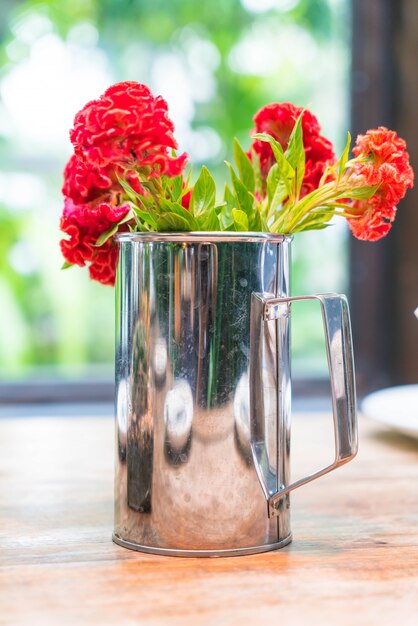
<point x="277" y="206"/>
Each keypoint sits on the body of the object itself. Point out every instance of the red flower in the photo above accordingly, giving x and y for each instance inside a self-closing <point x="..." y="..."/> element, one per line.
<point x="372" y="224"/>
<point x="185" y="201"/>
<point x="84" y="224"/>
<point x="132" y="179"/>
<point x="381" y="159"/>
<point x="85" y="183"/>
<point x="105" y="262"/>
<point x="129" y="127"/>
<point x="124" y="130"/>
<point x="278" y="121"/>
<point x="384" y="161"/>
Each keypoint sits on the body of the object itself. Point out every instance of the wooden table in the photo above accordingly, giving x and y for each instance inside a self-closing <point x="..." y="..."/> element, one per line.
<point x="354" y="558"/>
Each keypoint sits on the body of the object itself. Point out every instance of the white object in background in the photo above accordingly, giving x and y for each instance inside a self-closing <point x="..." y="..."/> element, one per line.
<point x="396" y="407"/>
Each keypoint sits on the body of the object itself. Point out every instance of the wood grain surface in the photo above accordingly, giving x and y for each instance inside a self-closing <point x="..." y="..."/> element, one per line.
<point x="353" y="561"/>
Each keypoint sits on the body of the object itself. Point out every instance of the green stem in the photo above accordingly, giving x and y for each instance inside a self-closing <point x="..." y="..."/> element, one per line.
<point x="297" y="213"/>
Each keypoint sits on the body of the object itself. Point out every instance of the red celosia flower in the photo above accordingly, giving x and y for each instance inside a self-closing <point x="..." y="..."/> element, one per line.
<point x="84" y="224"/>
<point x="124" y="130"/>
<point x="129" y="127"/>
<point x="105" y="262"/>
<point x="85" y="183"/>
<point x="381" y="159"/>
<point x="278" y="120"/>
<point x="372" y="224"/>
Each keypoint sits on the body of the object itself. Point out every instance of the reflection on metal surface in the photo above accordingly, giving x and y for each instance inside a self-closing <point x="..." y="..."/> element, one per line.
<point x="160" y="361"/>
<point x="178" y="419"/>
<point x="182" y="353"/>
<point x="242" y="419"/>
<point x="203" y="404"/>
<point x="338" y="343"/>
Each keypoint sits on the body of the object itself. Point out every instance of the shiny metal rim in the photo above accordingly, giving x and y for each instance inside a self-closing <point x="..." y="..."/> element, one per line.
<point x="200" y="236"/>
<point x="202" y="553"/>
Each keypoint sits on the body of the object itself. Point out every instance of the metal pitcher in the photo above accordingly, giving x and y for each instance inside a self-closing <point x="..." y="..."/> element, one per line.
<point x="203" y="392"/>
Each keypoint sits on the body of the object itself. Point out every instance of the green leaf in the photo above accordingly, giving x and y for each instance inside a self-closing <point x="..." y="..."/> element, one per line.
<point x="245" y="167"/>
<point x="177" y="188"/>
<point x="258" y="223"/>
<point x="360" y="193"/>
<point x="106" y="235"/>
<point x="140" y="226"/>
<point x="209" y="221"/>
<point x="316" y="219"/>
<point x="127" y="217"/>
<point x="255" y="160"/>
<point x="276" y="187"/>
<point x="244" y="200"/>
<point x="314" y="226"/>
<point x="240" y="220"/>
<point x="147" y="203"/>
<point x="295" y="143"/>
<point x="286" y="170"/>
<point x="295" y="153"/>
<point x="172" y="222"/>
<point x="225" y="216"/>
<point x="344" y="157"/>
<point x="128" y="189"/>
<point x="204" y="193"/>
<point x="66" y="265"/>
<point x="273" y="179"/>
<point x="178" y="210"/>
<point x="147" y="217"/>
<point x="186" y="180"/>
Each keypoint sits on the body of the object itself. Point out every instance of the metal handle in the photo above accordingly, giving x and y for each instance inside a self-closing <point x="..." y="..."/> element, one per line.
<point x="336" y="318"/>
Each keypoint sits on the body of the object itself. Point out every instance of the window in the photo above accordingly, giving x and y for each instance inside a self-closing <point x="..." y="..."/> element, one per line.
<point x="216" y="63"/>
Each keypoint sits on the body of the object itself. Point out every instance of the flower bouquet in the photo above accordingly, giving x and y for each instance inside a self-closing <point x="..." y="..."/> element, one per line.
<point x="203" y="382"/>
<point x="125" y="175"/>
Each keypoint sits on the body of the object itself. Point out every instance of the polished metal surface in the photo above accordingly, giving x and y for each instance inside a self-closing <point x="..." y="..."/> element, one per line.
<point x="203" y="236"/>
<point x="203" y="392"/>
<point x="339" y="348"/>
<point x="267" y="547"/>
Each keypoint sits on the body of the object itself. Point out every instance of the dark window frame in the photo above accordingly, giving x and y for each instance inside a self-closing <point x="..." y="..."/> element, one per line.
<point x="384" y="275"/>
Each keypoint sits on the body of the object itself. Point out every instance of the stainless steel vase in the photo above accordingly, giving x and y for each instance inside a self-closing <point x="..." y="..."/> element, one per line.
<point x="203" y="392"/>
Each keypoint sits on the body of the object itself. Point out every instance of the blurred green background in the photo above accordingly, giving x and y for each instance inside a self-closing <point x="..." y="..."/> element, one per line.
<point x="215" y="63"/>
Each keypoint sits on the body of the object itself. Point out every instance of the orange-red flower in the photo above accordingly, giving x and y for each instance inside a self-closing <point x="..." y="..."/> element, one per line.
<point x="382" y="160"/>
<point x="278" y="120"/>
<point x="371" y="224"/>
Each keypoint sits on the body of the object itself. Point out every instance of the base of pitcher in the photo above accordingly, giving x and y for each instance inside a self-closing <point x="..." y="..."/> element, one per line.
<point x="202" y="553"/>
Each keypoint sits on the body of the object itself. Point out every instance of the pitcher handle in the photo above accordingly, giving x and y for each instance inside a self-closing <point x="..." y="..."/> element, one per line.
<point x="336" y="318"/>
